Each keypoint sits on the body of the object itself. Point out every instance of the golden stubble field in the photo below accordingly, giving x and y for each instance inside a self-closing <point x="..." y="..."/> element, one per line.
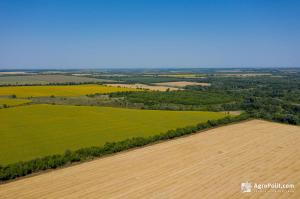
<point x="211" y="164"/>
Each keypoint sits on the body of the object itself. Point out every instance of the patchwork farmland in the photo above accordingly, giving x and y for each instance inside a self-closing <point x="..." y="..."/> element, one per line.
<point x="33" y="131"/>
<point x="49" y="135"/>
<point x="210" y="164"/>
<point x="149" y="99"/>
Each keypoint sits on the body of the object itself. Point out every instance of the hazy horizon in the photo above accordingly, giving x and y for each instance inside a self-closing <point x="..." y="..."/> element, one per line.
<point x="149" y="34"/>
<point x="141" y="67"/>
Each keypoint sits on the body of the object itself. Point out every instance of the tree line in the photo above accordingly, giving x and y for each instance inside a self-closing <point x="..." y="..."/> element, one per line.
<point x="175" y="100"/>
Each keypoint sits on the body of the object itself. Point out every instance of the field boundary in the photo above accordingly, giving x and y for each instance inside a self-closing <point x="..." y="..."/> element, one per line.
<point x="38" y="166"/>
<point x="126" y="151"/>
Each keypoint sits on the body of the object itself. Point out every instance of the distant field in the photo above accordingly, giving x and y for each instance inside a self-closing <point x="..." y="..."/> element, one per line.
<point x="37" y="130"/>
<point x="13" y="102"/>
<point x="208" y="165"/>
<point x="44" y="79"/>
<point x="183" y="75"/>
<point x="144" y="86"/>
<point x="243" y="74"/>
<point x="141" y="79"/>
<point x="13" y="73"/>
<point x="72" y="90"/>
<point x="182" y="84"/>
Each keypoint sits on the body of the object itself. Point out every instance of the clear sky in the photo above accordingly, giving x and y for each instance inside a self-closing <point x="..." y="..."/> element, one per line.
<point x="149" y="33"/>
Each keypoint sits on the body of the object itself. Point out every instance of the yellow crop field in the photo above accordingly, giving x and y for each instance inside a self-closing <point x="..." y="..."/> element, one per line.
<point x="32" y="131"/>
<point x="68" y="90"/>
<point x="208" y="165"/>
<point x="13" y="102"/>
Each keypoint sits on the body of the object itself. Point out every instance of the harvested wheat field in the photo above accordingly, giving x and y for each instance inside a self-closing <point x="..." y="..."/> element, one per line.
<point x="212" y="164"/>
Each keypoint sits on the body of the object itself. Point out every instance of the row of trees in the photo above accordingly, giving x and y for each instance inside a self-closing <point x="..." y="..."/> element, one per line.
<point x="19" y="169"/>
<point x="185" y="98"/>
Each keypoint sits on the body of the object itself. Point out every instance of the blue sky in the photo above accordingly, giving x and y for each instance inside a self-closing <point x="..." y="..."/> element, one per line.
<point x="152" y="33"/>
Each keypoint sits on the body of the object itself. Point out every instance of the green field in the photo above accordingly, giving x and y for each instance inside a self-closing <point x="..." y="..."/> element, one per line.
<point x="13" y="102"/>
<point x="37" y="130"/>
<point x="72" y="90"/>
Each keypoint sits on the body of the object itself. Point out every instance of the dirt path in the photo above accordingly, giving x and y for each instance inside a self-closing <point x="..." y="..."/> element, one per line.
<point x="211" y="164"/>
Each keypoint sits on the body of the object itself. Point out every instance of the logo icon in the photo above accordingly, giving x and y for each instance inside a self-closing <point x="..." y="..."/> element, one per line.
<point x="246" y="187"/>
